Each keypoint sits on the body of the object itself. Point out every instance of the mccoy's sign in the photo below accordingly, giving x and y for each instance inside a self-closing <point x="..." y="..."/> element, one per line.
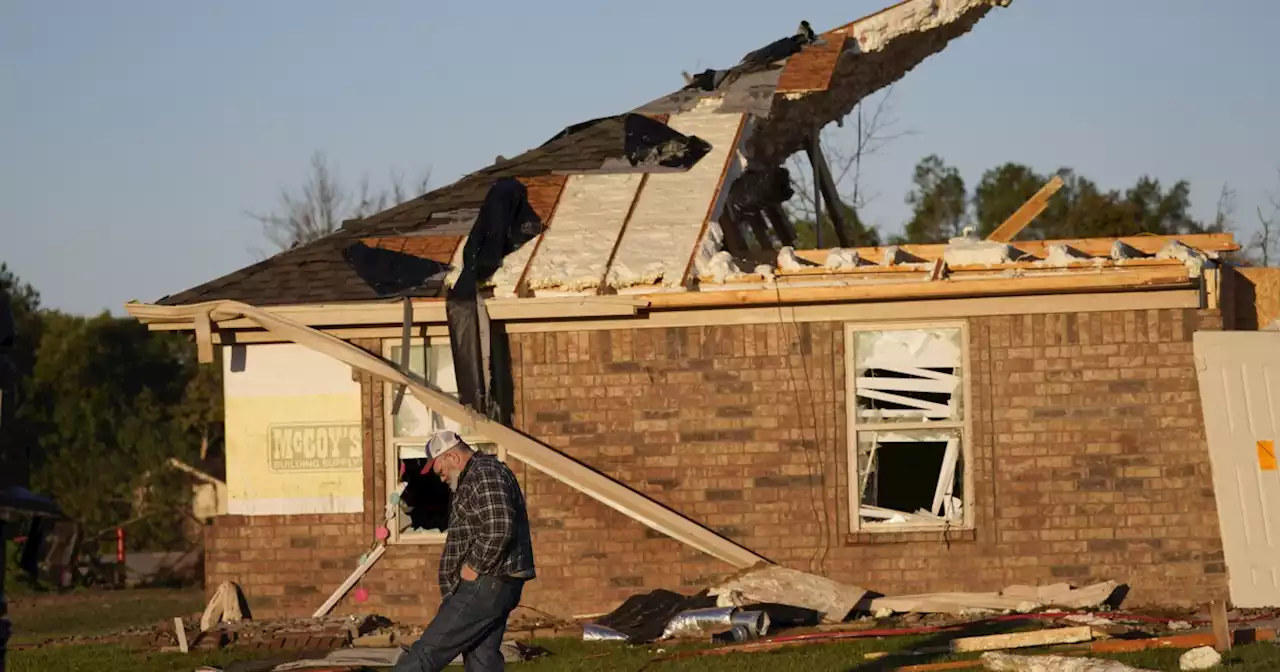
<point x="315" y="447"/>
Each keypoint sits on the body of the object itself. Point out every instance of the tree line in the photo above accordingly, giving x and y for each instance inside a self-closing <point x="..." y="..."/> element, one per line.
<point x="100" y="406"/>
<point x="943" y="206"/>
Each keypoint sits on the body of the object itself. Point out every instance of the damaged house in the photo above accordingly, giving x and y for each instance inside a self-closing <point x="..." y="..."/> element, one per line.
<point x="620" y="313"/>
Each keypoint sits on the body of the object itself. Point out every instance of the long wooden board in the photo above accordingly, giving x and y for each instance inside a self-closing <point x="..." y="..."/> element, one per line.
<point x="536" y="454"/>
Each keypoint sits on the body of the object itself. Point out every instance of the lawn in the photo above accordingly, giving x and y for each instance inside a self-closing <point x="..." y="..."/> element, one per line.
<point x="87" y="613"/>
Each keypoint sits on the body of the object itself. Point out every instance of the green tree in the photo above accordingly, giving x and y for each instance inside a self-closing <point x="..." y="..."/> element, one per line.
<point x="938" y="200"/>
<point x="16" y="437"/>
<point x="107" y="400"/>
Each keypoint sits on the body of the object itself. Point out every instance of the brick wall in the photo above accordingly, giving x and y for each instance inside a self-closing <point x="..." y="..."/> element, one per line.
<point x="1088" y="461"/>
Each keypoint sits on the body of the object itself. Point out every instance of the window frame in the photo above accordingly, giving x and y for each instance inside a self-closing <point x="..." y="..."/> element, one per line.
<point x="854" y="426"/>
<point x="391" y="443"/>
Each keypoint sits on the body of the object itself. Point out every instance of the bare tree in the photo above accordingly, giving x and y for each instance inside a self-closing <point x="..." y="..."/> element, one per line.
<point x="1265" y="240"/>
<point x="324" y="203"/>
<point x="874" y="128"/>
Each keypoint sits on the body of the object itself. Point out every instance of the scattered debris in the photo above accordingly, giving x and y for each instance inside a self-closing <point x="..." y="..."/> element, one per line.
<point x="224" y="606"/>
<point x="966" y="250"/>
<point x="1007" y="662"/>
<point x="1061" y="254"/>
<point x="840" y="258"/>
<point x="180" y="630"/>
<point x="1192" y="258"/>
<point x="1063" y="595"/>
<point x="788" y="261"/>
<point x="775" y="584"/>
<point x="1022" y="640"/>
<point x="1179" y="625"/>
<point x="1200" y="658"/>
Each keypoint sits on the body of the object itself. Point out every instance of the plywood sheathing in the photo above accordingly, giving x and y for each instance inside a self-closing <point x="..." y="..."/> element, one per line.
<point x="671" y="213"/>
<point x="435" y="248"/>
<point x="811" y="69"/>
<point x="880" y="53"/>
<point x="1254" y="297"/>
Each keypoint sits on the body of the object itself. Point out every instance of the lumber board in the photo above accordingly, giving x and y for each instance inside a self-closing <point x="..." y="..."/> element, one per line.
<point x="1021" y="640"/>
<point x="1024" y="215"/>
<point x="204" y="337"/>
<point x="1047" y="284"/>
<point x="351" y="581"/>
<point x="1221" y="628"/>
<point x="536" y="454"/>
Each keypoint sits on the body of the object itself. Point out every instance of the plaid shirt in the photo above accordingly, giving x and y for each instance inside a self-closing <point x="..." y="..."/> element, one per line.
<point x="488" y="525"/>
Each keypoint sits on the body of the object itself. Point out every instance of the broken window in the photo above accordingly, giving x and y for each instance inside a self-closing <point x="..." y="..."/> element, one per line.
<point x="908" y="419"/>
<point x="418" y="503"/>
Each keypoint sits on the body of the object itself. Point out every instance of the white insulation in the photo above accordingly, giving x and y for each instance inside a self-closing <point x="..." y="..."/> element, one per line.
<point x="581" y="236"/>
<point x="874" y="32"/>
<point x="668" y="218"/>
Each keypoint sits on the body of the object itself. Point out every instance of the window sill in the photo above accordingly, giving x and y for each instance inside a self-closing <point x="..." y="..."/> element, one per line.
<point x="418" y="539"/>
<point x="910" y="536"/>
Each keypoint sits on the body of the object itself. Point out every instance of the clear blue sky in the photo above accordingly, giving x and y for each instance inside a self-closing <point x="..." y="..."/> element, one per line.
<point x="137" y="132"/>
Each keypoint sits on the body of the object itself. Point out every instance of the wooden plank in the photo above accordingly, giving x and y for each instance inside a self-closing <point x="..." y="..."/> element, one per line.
<point x="204" y="337"/>
<point x="811" y="69"/>
<point x="1085" y="302"/>
<point x="351" y="579"/>
<point x="533" y="453"/>
<point x="181" y="631"/>
<point x="1029" y="211"/>
<point x="940" y="667"/>
<point x="1019" y="640"/>
<point x="1221" y="628"/>
<point x="1048" y="284"/>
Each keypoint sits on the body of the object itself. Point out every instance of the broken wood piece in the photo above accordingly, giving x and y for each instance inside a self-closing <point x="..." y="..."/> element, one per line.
<point x="1028" y="212"/>
<point x="223" y="606"/>
<point x="204" y="337"/>
<point x="351" y="581"/>
<point x="939" y="667"/>
<point x="181" y="631"/>
<point x="951" y="603"/>
<point x="1007" y="662"/>
<point x="937" y="270"/>
<point x="405" y="339"/>
<point x="1221" y="628"/>
<point x="1021" y="640"/>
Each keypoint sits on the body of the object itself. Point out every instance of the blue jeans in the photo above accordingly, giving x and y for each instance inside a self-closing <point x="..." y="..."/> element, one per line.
<point x="471" y="622"/>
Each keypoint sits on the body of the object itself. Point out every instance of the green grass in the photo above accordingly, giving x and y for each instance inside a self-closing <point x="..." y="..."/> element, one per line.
<point x="37" y="618"/>
<point x="85" y="613"/>
<point x="112" y="658"/>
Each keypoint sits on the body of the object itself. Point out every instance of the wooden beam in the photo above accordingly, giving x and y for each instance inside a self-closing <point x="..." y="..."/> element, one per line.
<point x="822" y="173"/>
<point x="872" y="311"/>
<point x="602" y="287"/>
<point x="1221" y="628"/>
<point x="204" y="337"/>
<point x="1047" y="284"/>
<point x="1029" y="211"/>
<point x="181" y="318"/>
<point x="544" y="458"/>
<point x="351" y="580"/>
<point x="1021" y="640"/>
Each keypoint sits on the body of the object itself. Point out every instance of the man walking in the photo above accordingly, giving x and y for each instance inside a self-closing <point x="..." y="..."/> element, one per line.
<point x="487" y="557"/>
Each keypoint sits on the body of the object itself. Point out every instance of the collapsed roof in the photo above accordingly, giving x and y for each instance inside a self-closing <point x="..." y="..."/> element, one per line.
<point x="658" y="199"/>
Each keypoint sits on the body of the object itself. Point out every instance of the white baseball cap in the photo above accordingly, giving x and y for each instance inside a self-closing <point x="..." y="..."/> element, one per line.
<point x="440" y="443"/>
